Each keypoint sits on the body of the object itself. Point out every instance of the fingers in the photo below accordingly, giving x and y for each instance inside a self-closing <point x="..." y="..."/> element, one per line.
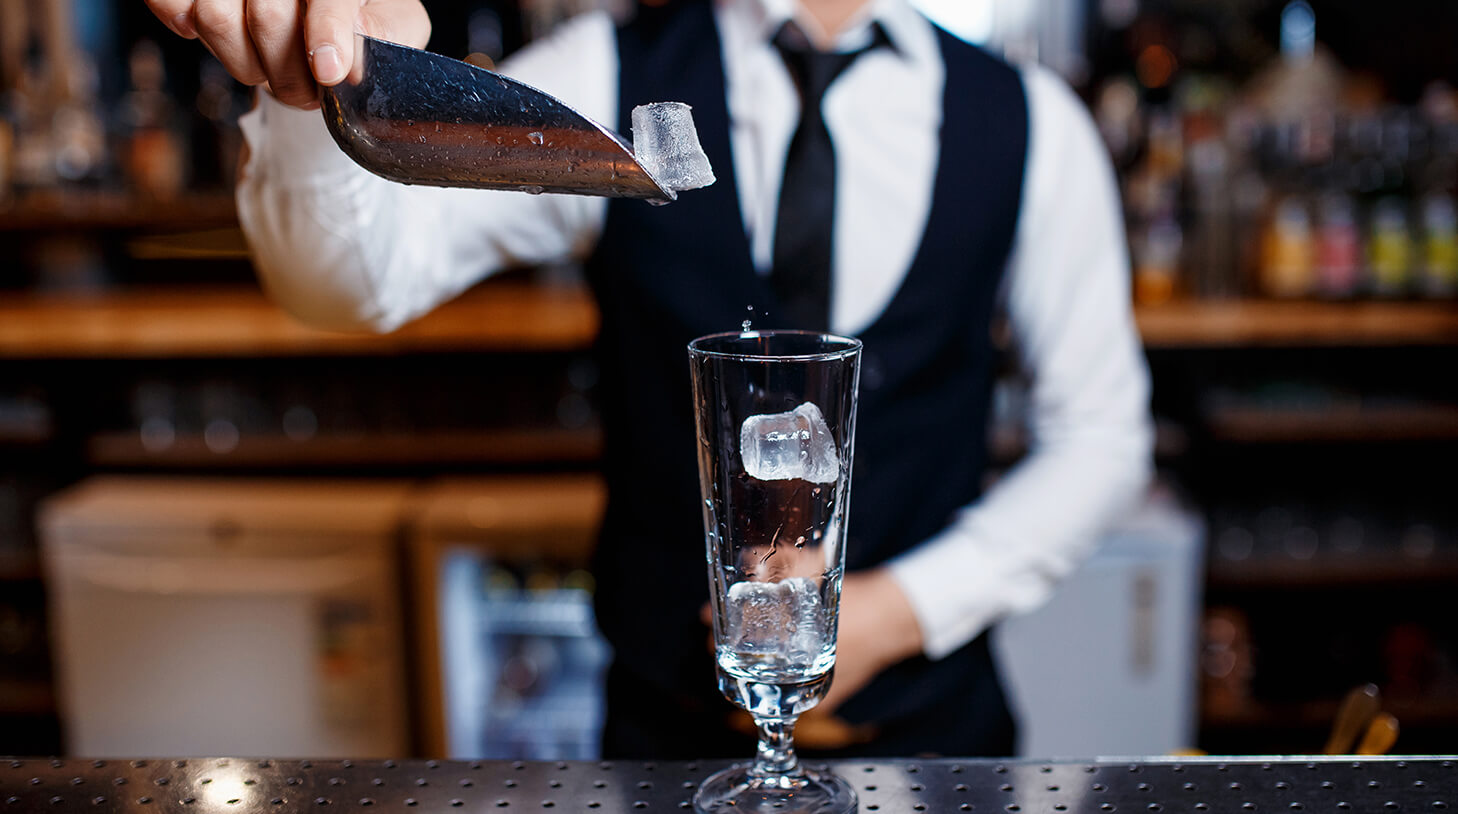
<point x="329" y="27"/>
<point x="223" y="27"/>
<point x="176" y="15"/>
<point x="276" y="30"/>
<point x="292" y="44"/>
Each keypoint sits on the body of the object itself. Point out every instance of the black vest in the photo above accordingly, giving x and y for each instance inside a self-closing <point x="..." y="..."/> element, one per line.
<point x="664" y="275"/>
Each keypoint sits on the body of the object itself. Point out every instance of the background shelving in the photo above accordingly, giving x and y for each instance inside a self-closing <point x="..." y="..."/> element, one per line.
<point x="133" y="338"/>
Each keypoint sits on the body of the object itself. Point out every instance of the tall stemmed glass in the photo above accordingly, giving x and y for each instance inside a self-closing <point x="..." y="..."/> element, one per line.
<point x="775" y="412"/>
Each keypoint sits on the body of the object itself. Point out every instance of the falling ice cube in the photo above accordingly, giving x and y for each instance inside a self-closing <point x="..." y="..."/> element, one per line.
<point x="785" y="446"/>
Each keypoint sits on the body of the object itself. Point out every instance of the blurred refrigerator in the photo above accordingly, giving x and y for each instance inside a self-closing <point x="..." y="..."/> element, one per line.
<point x="228" y="617"/>
<point x="511" y="659"/>
<point x="1107" y="667"/>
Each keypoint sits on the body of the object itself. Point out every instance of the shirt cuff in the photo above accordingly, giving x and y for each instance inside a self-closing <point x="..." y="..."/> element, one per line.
<point x="946" y="600"/>
<point x="290" y="146"/>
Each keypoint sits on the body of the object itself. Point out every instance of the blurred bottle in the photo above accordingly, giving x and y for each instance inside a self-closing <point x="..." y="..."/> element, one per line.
<point x="154" y="412"/>
<point x="1338" y="247"/>
<point x="1226" y="662"/>
<point x="78" y="134"/>
<point x="1305" y="80"/>
<point x="32" y="157"/>
<point x="1157" y="261"/>
<point x="153" y="154"/>
<point x="1390" y="249"/>
<point x="1210" y="259"/>
<point x="1166" y="145"/>
<point x="1120" y="120"/>
<point x="1439" y="271"/>
<point x="224" y="412"/>
<point x="1288" y="267"/>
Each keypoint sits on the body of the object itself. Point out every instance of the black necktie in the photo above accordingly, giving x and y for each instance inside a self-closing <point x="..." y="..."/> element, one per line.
<point x="800" y="276"/>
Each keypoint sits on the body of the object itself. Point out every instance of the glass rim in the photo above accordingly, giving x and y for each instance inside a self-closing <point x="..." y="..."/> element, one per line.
<point x="851" y="346"/>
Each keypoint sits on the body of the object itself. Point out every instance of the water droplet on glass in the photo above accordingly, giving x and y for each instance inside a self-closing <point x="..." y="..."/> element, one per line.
<point x="536" y="138"/>
<point x="800" y="541"/>
<point x="422" y="139"/>
<point x="409" y="122"/>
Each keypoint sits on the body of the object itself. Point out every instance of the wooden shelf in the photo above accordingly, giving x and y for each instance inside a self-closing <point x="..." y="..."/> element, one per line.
<point x="513" y="315"/>
<point x="1386" y="567"/>
<point x="240" y="322"/>
<point x="117" y="211"/>
<point x="1273" y="323"/>
<point x="1408" y="422"/>
<point x="433" y="447"/>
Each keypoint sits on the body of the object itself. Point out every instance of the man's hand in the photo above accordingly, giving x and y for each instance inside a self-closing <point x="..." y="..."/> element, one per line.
<point x="877" y="629"/>
<point x="292" y="46"/>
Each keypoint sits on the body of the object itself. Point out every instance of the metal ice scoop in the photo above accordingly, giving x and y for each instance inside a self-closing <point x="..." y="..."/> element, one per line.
<point x="419" y="118"/>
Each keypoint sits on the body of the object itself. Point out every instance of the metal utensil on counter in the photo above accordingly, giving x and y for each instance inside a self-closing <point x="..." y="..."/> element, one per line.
<point x="1354" y="715"/>
<point x="1380" y="735"/>
<point x="420" y="118"/>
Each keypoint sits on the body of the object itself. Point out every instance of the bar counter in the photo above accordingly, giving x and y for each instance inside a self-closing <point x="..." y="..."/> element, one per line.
<point x="1237" y="785"/>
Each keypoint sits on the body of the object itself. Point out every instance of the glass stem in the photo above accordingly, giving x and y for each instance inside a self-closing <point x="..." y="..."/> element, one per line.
<point x="776" y="753"/>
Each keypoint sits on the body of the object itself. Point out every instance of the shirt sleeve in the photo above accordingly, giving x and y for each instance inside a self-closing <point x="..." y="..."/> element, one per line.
<point x="342" y="248"/>
<point x="1091" y="435"/>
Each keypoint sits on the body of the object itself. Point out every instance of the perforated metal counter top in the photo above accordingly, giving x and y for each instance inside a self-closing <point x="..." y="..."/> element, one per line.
<point x="235" y="786"/>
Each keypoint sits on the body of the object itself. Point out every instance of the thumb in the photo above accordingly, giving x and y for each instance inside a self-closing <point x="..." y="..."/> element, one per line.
<point x="329" y="27"/>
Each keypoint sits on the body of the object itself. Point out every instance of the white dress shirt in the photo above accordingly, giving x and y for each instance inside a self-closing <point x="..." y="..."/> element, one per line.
<point x="343" y="248"/>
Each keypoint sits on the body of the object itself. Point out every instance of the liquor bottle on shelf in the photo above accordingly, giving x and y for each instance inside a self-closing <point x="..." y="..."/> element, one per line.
<point x="153" y="153"/>
<point x="1338" y="247"/>
<point x="32" y="154"/>
<point x="1438" y="272"/>
<point x="1390" y="249"/>
<point x="1156" y="253"/>
<point x="1288" y="267"/>
<point x="77" y="131"/>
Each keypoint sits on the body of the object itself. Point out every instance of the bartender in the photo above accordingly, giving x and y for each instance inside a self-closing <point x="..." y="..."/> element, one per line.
<point x="877" y="178"/>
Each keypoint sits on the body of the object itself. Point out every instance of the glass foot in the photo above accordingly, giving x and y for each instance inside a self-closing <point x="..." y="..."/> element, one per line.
<point x="735" y="791"/>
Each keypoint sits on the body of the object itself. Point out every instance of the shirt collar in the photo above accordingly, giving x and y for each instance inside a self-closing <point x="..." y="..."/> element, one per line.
<point x="769" y="15"/>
